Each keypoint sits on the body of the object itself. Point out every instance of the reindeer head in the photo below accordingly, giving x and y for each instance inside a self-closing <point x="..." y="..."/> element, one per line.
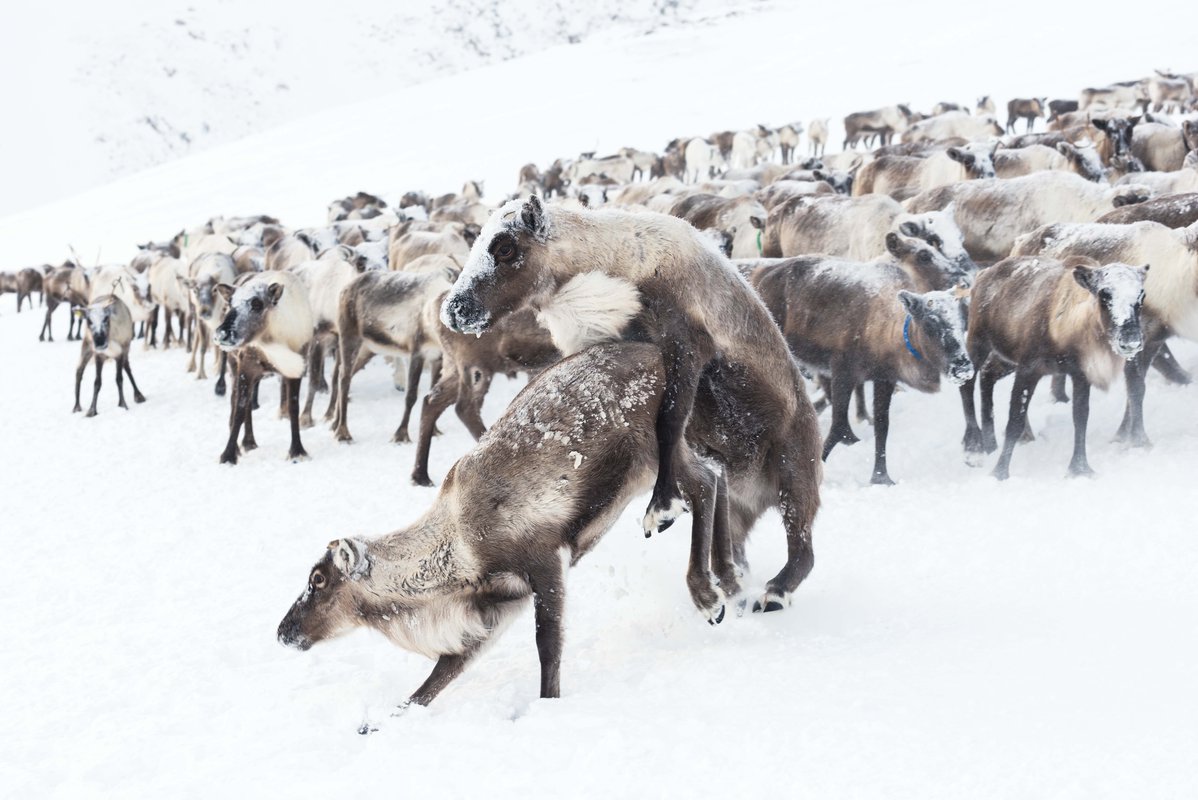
<point x="1119" y="289"/>
<point x="98" y="316"/>
<point x="1118" y="130"/>
<point x="939" y="229"/>
<point x="976" y="157"/>
<point x="249" y="307"/>
<point x="502" y="273"/>
<point x="329" y="605"/>
<point x="1084" y="159"/>
<point x="941" y="316"/>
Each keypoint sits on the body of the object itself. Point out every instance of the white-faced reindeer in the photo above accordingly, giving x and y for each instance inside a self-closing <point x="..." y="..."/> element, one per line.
<point x="108" y="333"/>
<point x="901" y="177"/>
<point x="1170" y="291"/>
<point x="512" y="516"/>
<point x="1037" y="316"/>
<point x="603" y="275"/>
<point x="267" y="328"/>
<point x="855" y="322"/>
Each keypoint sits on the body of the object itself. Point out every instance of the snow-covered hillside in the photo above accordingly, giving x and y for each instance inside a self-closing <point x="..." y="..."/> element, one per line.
<point x="958" y="637"/>
<point x="122" y="89"/>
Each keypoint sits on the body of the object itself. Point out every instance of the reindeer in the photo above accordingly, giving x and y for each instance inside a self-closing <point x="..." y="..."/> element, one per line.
<point x="66" y="284"/>
<point x="1029" y="109"/>
<point x="1171" y="289"/>
<point x="267" y="328"/>
<point x="108" y="334"/>
<point x="1038" y="316"/>
<point x="901" y="177"/>
<point x="207" y="307"/>
<point x="517" y="344"/>
<point x="28" y="281"/>
<point x="513" y="515"/>
<point x="391" y="313"/>
<point x="817" y="137"/>
<point x="858" y="322"/>
<point x="603" y="275"/>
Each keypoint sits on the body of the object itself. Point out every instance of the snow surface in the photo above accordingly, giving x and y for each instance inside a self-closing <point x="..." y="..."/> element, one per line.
<point x="958" y="637"/>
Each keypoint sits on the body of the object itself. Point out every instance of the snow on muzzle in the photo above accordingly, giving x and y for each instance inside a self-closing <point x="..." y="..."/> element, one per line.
<point x="462" y="312"/>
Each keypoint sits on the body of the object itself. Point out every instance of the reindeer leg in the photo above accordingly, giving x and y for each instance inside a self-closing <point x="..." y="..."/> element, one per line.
<point x="350" y="347"/>
<point x="316" y="370"/>
<point x="859" y="396"/>
<point x="798" y="500"/>
<point x="1131" y="430"/>
<point x="99" y="363"/>
<point x="471" y="394"/>
<point x="415" y="368"/>
<point x="296" y="451"/>
<point x="1021" y="396"/>
<point x="549" y="603"/>
<point x="248" y="442"/>
<point x="315" y="359"/>
<point x="138" y="397"/>
<point x="41" y="337"/>
<point x="220" y="381"/>
<point x="723" y="562"/>
<point x="284" y="398"/>
<point x="84" y="356"/>
<point x="1079" y="465"/>
<point x="842" y="390"/>
<point x="1166" y="364"/>
<point x="883" y="392"/>
<point x="973" y="434"/>
<point x="686" y="353"/>
<point x="992" y="372"/>
<point x="194" y="344"/>
<point x="446" y="670"/>
<point x="701" y="486"/>
<point x="240" y="407"/>
<point x="1059" y="395"/>
<point x="332" y="408"/>
<point x="152" y="339"/>
<point x="205" y="341"/>
<point x="120" y="383"/>
<point x="435" y="403"/>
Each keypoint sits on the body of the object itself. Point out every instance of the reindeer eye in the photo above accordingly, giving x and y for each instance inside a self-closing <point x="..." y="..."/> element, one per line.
<point x="318" y="580"/>
<point x="924" y="257"/>
<point x="935" y="241"/>
<point x="505" y="252"/>
<point x="256" y="305"/>
<point x="1105" y="296"/>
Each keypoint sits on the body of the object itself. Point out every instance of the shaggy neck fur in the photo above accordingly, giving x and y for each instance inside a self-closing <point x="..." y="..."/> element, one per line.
<point x="1076" y="323"/>
<point x="589" y="308"/>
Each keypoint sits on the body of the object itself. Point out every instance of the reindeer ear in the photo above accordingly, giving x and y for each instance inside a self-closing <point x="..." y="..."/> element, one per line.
<point x="349" y="556"/>
<point x="894" y="244"/>
<point x="533" y="216"/>
<point x="273" y="292"/>
<point x="908" y="228"/>
<point x="950" y="210"/>
<point x="757" y="222"/>
<point x="911" y="303"/>
<point x="956" y="154"/>
<point x="1084" y="278"/>
<point x="225" y="291"/>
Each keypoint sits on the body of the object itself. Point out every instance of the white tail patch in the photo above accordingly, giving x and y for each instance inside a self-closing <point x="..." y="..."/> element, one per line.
<point x="589" y="308"/>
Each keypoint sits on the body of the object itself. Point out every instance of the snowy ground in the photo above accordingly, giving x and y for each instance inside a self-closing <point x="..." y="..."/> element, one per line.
<point x="958" y="637"/>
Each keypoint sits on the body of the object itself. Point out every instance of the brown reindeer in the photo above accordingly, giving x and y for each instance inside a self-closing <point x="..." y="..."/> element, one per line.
<point x="1038" y="316"/>
<point x="513" y="515"/>
<point x="394" y="314"/>
<point x="857" y="322"/>
<point x="66" y="284"/>
<point x="517" y="344"/>
<point x="603" y="275"/>
<point x="108" y="334"/>
<point x="1029" y="109"/>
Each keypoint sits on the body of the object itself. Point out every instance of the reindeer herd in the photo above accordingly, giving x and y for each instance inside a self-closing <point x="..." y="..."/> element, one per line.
<point x="672" y="311"/>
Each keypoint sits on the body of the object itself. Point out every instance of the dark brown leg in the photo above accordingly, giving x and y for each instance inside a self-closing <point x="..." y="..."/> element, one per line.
<point x="415" y="368"/>
<point x="240" y="405"/>
<point x="349" y="361"/>
<point x="842" y="392"/>
<point x="549" y="602"/>
<point x="435" y="403"/>
<point x="883" y="392"/>
<point x="138" y="397"/>
<point x="1021" y="396"/>
<point x="248" y="442"/>
<point x="120" y="383"/>
<point x="1079" y="465"/>
<point x="99" y="362"/>
<point x="296" y="451"/>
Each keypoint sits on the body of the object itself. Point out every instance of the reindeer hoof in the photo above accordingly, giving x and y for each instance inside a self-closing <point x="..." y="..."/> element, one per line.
<point x="1002" y="473"/>
<point x="658" y="518"/>
<point x="343" y="437"/>
<point x="881" y="480"/>
<point x="228" y="458"/>
<point x="91" y="412"/>
<point x="421" y="479"/>
<point x="139" y="398"/>
<point x="401" y="437"/>
<point x="718" y="619"/>
<point x="296" y="456"/>
<point x="771" y="602"/>
<point x="306" y="421"/>
<point x="974" y="458"/>
<point x="220" y="390"/>
<point x="1081" y="471"/>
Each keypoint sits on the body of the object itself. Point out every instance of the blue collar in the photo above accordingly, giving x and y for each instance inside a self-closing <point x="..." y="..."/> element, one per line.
<point x="907" y="339"/>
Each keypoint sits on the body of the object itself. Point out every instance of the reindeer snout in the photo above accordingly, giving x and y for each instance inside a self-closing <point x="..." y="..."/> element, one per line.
<point x="290" y="636"/>
<point x="960" y="371"/>
<point x="463" y="313"/>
